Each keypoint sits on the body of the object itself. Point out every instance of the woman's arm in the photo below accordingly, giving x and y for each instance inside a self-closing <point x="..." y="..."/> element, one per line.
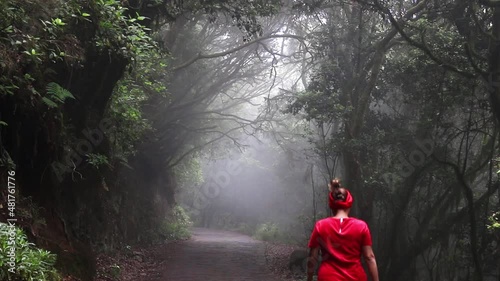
<point x="312" y="261"/>
<point x="371" y="262"/>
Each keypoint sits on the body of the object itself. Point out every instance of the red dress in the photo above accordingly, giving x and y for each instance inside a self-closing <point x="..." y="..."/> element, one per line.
<point x="341" y="241"/>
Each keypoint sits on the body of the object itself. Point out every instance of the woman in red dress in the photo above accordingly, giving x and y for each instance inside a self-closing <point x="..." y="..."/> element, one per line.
<point x="343" y="240"/>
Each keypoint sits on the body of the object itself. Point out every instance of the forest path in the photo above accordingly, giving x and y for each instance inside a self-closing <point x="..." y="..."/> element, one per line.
<point x="217" y="255"/>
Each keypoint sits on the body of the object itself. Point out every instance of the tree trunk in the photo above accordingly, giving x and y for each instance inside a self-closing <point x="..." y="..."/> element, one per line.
<point x="494" y="65"/>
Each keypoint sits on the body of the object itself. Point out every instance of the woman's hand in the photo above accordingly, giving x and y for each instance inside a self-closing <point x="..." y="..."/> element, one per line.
<point x="371" y="262"/>
<point x="312" y="278"/>
<point x="312" y="261"/>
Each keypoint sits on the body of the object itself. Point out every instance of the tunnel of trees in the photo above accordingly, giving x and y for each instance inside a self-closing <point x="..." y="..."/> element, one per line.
<point x="124" y="122"/>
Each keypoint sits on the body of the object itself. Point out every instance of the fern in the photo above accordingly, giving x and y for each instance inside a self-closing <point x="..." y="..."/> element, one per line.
<point x="49" y="102"/>
<point x="56" y="95"/>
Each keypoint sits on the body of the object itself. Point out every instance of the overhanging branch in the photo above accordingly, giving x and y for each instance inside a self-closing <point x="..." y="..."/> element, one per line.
<point x="235" y="49"/>
<point x="420" y="46"/>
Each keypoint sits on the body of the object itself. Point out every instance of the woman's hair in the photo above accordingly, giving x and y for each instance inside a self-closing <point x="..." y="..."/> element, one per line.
<point x="334" y="183"/>
<point x="339" y="197"/>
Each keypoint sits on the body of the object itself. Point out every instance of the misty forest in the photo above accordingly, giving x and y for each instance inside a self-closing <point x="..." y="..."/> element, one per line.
<point x="157" y="140"/>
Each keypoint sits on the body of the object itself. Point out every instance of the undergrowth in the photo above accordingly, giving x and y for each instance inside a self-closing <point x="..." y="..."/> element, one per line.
<point x="20" y="260"/>
<point x="176" y="226"/>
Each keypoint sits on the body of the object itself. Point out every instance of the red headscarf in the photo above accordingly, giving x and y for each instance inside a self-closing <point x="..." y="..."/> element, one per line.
<point x="339" y="204"/>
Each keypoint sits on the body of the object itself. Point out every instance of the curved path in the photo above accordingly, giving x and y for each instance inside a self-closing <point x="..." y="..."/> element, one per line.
<point x="216" y="255"/>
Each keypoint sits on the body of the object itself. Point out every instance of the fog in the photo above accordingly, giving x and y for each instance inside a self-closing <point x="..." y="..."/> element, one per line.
<point x="206" y="128"/>
<point x="275" y="122"/>
<point x="256" y="164"/>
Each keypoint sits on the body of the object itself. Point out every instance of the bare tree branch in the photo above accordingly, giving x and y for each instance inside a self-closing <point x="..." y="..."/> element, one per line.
<point x="224" y="53"/>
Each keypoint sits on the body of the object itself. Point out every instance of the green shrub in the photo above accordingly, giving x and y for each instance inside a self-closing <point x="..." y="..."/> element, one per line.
<point x="175" y="231"/>
<point x="177" y="224"/>
<point x="21" y="260"/>
<point x="245" y="228"/>
<point x="493" y="224"/>
<point x="268" y="232"/>
<point x="115" y="271"/>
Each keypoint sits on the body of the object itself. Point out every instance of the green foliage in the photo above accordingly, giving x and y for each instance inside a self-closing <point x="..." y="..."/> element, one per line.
<point x="245" y="228"/>
<point x="494" y="223"/>
<point x="32" y="38"/>
<point x="130" y="95"/>
<point x="119" y="33"/>
<point x="97" y="160"/>
<point x="175" y="231"/>
<point x="267" y="232"/>
<point x="30" y="263"/>
<point x="176" y="226"/>
<point x="189" y="172"/>
<point x="56" y="95"/>
<point x="114" y="271"/>
<point x="242" y="13"/>
<point x="37" y="38"/>
<point x="36" y="35"/>
<point x="444" y="41"/>
<point x="126" y="112"/>
<point x="321" y="100"/>
<point x="316" y="105"/>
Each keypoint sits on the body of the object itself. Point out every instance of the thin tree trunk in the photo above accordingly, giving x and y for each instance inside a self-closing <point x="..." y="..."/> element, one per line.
<point x="314" y="194"/>
<point x="494" y="64"/>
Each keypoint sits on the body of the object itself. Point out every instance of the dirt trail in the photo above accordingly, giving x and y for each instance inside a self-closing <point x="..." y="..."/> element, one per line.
<point x="216" y="255"/>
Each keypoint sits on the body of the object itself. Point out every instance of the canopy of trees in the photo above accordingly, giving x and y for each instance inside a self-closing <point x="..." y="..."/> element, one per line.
<point x="112" y="113"/>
